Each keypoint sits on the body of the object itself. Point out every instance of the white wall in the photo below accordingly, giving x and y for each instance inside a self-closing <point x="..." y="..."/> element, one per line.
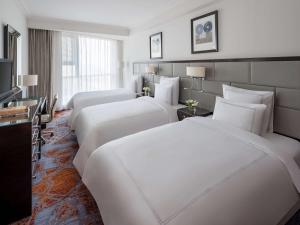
<point x="12" y="13"/>
<point x="247" y="28"/>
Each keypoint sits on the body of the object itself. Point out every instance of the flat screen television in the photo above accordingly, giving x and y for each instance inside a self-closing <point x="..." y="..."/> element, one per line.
<point x="5" y="77"/>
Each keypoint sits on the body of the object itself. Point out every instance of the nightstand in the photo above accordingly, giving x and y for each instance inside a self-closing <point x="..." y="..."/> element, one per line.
<point x="142" y="94"/>
<point x="185" y="112"/>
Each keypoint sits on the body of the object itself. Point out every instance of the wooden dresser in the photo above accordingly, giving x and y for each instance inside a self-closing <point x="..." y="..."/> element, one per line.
<point x="20" y="148"/>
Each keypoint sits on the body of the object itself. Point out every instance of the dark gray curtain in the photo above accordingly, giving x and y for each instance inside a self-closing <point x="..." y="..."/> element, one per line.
<point x="13" y="56"/>
<point x="40" y="56"/>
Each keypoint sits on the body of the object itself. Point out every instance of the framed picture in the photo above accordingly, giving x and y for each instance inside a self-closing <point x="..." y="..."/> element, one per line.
<point x="156" y="46"/>
<point x="204" y="33"/>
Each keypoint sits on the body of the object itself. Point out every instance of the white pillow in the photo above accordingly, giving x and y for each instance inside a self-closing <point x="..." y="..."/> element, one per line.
<point x="174" y="81"/>
<point x="254" y="97"/>
<point x="131" y="85"/>
<point x="248" y="117"/>
<point x="163" y="93"/>
<point x="135" y="84"/>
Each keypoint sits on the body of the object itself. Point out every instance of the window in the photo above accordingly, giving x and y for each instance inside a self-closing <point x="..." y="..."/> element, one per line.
<point x="88" y="64"/>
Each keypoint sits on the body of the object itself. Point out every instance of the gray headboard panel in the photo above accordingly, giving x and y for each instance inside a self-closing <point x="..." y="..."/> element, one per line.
<point x="281" y="75"/>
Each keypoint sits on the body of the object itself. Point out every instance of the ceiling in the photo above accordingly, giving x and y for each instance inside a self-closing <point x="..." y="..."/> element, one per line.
<point x="124" y="13"/>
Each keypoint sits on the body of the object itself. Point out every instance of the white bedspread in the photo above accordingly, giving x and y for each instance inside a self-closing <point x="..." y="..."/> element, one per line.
<point x="85" y="99"/>
<point x="197" y="171"/>
<point x="97" y="125"/>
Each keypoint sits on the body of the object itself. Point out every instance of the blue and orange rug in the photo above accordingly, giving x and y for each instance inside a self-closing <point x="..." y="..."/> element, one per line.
<point x="59" y="196"/>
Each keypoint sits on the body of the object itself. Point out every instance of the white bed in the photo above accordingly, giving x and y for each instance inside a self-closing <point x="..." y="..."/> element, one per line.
<point x="97" y="125"/>
<point x="201" y="171"/>
<point x="85" y="99"/>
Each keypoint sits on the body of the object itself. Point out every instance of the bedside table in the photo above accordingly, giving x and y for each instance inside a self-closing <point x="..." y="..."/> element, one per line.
<point x="142" y="94"/>
<point x="185" y="112"/>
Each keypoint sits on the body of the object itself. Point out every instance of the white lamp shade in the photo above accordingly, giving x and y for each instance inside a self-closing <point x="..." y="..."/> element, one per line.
<point x="193" y="71"/>
<point x="150" y="69"/>
<point x="27" y="80"/>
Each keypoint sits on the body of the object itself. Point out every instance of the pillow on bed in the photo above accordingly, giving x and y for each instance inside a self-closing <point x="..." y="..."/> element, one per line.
<point x="131" y="85"/>
<point x="135" y="84"/>
<point x="254" y="97"/>
<point x="174" y="81"/>
<point x="248" y="117"/>
<point x="163" y="93"/>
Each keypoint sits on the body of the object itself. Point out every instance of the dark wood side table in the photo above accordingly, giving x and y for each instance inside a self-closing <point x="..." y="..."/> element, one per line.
<point x="185" y="112"/>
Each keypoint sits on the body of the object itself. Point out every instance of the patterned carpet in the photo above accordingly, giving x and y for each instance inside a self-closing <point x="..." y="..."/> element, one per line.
<point x="59" y="196"/>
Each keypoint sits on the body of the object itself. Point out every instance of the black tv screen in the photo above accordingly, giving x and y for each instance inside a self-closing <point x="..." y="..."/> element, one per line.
<point x="5" y="76"/>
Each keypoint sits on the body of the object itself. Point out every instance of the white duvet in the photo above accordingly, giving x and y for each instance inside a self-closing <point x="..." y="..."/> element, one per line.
<point x="197" y="171"/>
<point x="85" y="99"/>
<point x="97" y="125"/>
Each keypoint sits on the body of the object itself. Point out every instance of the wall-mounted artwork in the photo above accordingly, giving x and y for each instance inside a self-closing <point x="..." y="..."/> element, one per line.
<point x="204" y="33"/>
<point x="156" y="46"/>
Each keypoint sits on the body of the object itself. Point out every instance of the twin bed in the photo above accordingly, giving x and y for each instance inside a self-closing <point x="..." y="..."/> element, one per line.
<point x="200" y="171"/>
<point x="99" y="124"/>
<point x="144" y="168"/>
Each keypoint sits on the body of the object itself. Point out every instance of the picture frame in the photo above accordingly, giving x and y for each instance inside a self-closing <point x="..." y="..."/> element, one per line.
<point x="204" y="33"/>
<point x="156" y="46"/>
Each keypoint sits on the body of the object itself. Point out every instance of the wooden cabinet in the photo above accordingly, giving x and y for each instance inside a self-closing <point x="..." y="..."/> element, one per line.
<point x="16" y="157"/>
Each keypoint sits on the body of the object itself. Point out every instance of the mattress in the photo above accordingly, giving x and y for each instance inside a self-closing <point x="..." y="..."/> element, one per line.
<point x="197" y="171"/>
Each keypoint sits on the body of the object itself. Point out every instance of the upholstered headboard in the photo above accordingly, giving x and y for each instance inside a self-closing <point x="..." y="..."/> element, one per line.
<point x="280" y="74"/>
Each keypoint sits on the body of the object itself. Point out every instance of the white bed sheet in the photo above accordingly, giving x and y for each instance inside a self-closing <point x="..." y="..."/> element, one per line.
<point x="285" y="145"/>
<point x="97" y="125"/>
<point x="201" y="171"/>
<point x="85" y="99"/>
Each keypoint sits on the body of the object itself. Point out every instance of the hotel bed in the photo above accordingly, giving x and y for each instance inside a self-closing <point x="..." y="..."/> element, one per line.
<point x="230" y="169"/>
<point x="97" y="125"/>
<point x="85" y="99"/>
<point x="197" y="171"/>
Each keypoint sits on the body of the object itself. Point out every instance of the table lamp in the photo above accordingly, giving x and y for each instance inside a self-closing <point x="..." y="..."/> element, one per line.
<point x="151" y="69"/>
<point x="27" y="81"/>
<point x="196" y="72"/>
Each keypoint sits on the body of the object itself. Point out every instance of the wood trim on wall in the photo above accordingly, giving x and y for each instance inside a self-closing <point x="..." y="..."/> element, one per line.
<point x="259" y="59"/>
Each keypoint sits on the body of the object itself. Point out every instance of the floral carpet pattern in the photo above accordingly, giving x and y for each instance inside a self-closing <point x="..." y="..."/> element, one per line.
<point x="59" y="196"/>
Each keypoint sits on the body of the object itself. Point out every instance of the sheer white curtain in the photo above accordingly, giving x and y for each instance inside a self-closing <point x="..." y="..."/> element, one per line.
<point x="84" y="63"/>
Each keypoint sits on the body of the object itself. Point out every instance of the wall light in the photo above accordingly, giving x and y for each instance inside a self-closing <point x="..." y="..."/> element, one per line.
<point x="195" y="72"/>
<point x="151" y="69"/>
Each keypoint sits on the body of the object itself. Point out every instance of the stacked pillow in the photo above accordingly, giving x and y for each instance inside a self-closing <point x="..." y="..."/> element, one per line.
<point x="256" y="101"/>
<point x="163" y="90"/>
<point x="135" y="84"/>
<point x="163" y="93"/>
<point x="248" y="117"/>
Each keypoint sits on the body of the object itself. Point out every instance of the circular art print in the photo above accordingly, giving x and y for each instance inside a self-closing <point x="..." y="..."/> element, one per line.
<point x="205" y="33"/>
